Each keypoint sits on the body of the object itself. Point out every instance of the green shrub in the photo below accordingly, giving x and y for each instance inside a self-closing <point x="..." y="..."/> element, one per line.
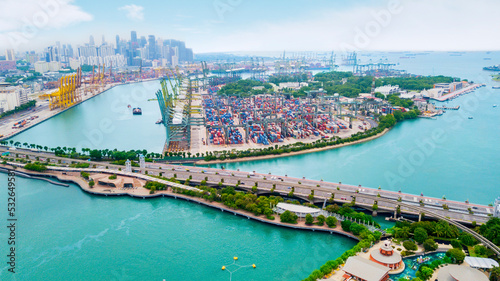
<point x="409" y="245"/>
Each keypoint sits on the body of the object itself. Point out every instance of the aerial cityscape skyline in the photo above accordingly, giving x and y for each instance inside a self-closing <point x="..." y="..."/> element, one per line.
<point x="250" y="140"/>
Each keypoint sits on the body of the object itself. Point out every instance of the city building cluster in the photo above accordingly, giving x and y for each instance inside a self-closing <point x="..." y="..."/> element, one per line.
<point x="138" y="51"/>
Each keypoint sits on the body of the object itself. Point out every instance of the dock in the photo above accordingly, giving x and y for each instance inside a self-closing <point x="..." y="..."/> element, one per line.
<point x="448" y="107"/>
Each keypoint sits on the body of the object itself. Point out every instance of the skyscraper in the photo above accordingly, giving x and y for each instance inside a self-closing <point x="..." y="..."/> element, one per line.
<point x="133" y="40"/>
<point x="91" y="40"/>
<point x="152" y="47"/>
<point x="133" y="36"/>
<point x="143" y="42"/>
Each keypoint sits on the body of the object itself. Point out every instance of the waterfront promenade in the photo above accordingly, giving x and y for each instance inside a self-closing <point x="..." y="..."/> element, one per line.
<point x="72" y="175"/>
<point x="455" y="212"/>
<point x="465" y="212"/>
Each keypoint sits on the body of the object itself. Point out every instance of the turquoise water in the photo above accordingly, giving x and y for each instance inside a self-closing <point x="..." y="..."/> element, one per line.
<point x="66" y="234"/>
<point x="411" y="265"/>
<point x="105" y="121"/>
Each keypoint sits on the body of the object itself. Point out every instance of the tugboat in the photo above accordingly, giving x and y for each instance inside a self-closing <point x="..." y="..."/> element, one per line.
<point x="470" y="117"/>
<point x="137" y="111"/>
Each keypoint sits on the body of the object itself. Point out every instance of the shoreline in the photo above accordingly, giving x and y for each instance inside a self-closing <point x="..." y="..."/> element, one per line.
<point x="75" y="179"/>
<point x="17" y="132"/>
<point x="312" y="150"/>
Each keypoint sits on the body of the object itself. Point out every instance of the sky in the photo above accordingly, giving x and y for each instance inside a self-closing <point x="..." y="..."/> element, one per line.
<point x="258" y="25"/>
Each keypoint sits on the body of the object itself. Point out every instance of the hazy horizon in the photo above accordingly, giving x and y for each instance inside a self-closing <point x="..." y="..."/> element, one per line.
<point x="244" y="26"/>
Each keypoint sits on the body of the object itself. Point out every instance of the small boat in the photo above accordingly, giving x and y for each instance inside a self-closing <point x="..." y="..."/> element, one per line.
<point x="137" y="111"/>
<point x="160" y="121"/>
<point x="470" y="117"/>
<point x="494" y="105"/>
<point x="496" y="87"/>
<point x="129" y="106"/>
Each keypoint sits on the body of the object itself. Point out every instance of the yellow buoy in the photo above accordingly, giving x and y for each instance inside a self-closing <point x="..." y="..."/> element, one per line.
<point x="223" y="267"/>
<point x="253" y="265"/>
<point x="235" y="258"/>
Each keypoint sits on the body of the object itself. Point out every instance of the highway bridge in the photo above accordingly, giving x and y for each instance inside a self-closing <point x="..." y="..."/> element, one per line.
<point x="454" y="213"/>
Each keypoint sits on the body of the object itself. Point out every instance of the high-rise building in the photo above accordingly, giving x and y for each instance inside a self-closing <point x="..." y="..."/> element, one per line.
<point x="91" y="40"/>
<point x="133" y="39"/>
<point x="117" y="50"/>
<point x="103" y="40"/>
<point x="152" y="47"/>
<point x="10" y="55"/>
<point x="143" y="42"/>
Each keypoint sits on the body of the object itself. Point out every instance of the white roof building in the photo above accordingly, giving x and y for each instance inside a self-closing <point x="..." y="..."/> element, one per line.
<point x="476" y="262"/>
<point x="433" y="93"/>
<point x="300" y="211"/>
<point x="358" y="268"/>
<point x="387" y="90"/>
<point x="460" y="273"/>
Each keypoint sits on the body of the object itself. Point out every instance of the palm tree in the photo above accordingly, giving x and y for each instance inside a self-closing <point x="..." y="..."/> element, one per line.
<point x="46" y="148"/>
<point x="11" y="142"/>
<point x="25" y="144"/>
<point x="403" y="232"/>
<point x="439" y="230"/>
<point x="17" y="144"/>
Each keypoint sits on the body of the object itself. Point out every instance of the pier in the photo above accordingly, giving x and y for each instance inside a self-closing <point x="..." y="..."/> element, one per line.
<point x="448" y="107"/>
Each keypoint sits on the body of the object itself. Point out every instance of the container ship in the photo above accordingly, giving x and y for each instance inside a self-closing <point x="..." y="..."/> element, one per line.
<point x="137" y="111"/>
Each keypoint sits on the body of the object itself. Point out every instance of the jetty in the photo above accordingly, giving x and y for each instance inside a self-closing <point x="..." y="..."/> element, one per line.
<point x="448" y="107"/>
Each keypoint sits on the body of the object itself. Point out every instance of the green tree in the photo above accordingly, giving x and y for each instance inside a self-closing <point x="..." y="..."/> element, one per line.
<point x="309" y="219"/>
<point x="321" y="220"/>
<point x="331" y="221"/>
<point x="96" y="154"/>
<point x="288" y="217"/>
<point x="420" y="234"/>
<point x="425" y="272"/>
<point x="468" y="239"/>
<point x="356" y="229"/>
<point x="346" y="225"/>
<point x="430" y="245"/>
<point x="409" y="245"/>
<point x="457" y="255"/>
<point x="403" y="232"/>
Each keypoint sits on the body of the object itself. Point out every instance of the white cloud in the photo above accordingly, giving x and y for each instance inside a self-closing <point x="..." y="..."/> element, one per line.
<point x="134" y="12"/>
<point x="22" y="21"/>
<point x="419" y="25"/>
<point x="41" y="13"/>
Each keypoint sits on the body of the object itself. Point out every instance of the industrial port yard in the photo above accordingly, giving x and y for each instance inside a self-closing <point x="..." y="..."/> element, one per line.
<point x="234" y="123"/>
